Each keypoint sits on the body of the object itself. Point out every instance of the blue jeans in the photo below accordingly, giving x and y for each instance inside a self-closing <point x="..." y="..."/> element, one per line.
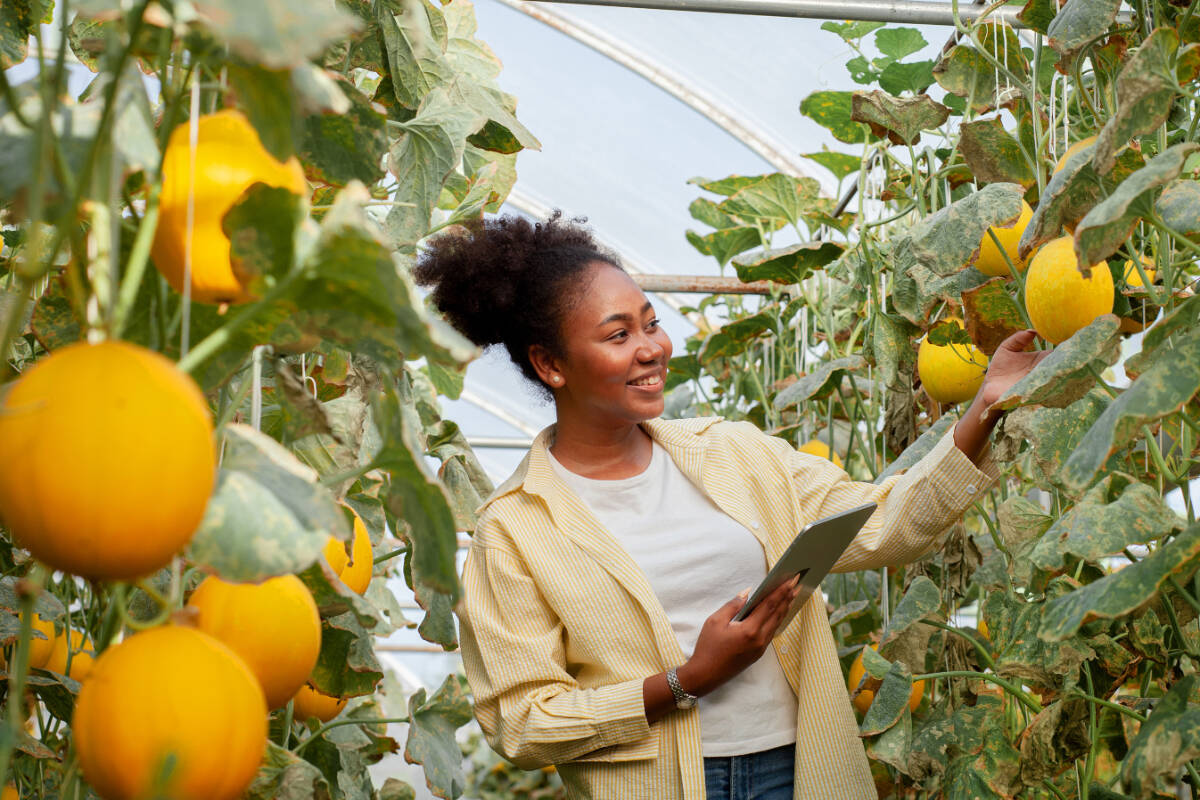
<point x="755" y="776"/>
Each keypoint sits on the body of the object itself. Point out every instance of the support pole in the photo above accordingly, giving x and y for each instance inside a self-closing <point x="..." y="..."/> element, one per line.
<point x="699" y="284"/>
<point x="913" y="12"/>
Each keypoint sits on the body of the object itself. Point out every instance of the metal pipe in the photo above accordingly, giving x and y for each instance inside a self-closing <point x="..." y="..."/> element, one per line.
<point x="915" y="12"/>
<point x="500" y="442"/>
<point x="699" y="284"/>
<point x="747" y="131"/>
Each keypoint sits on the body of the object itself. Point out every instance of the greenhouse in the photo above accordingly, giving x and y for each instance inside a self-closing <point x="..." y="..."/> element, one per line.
<point x="337" y="464"/>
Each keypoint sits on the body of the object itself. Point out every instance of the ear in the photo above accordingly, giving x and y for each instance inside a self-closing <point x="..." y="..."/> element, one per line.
<point x="546" y="366"/>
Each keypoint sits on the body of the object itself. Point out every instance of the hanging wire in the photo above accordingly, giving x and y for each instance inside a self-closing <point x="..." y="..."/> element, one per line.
<point x="193" y="143"/>
<point x="256" y="388"/>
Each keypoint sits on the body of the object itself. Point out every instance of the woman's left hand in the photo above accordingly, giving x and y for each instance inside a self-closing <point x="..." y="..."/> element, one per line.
<point x="1010" y="363"/>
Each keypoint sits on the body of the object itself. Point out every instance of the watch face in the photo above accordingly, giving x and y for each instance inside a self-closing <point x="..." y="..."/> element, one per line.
<point x="684" y="703"/>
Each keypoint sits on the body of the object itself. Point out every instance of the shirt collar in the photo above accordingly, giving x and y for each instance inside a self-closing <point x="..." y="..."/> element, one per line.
<point x="535" y="475"/>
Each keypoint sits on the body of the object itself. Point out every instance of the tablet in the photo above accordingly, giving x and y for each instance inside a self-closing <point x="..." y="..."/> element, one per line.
<point x="811" y="555"/>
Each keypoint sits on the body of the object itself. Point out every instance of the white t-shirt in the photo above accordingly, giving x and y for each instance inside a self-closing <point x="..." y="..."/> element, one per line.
<point x="696" y="558"/>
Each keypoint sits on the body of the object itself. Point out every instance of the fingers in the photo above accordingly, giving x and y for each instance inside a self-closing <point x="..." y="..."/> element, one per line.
<point x="726" y="612"/>
<point x="1020" y="340"/>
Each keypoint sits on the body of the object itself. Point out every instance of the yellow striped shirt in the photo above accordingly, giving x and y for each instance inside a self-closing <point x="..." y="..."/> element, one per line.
<point x="560" y="628"/>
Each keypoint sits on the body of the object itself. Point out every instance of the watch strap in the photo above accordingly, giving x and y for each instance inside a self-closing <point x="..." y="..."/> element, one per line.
<point x="683" y="700"/>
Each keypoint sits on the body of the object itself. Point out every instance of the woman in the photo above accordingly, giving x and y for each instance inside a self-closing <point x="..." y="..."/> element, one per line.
<point x="594" y="635"/>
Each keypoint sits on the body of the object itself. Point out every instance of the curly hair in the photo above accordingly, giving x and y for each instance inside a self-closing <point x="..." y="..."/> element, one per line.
<point x="510" y="281"/>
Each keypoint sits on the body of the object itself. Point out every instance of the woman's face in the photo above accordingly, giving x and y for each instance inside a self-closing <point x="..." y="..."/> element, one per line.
<point x="616" y="353"/>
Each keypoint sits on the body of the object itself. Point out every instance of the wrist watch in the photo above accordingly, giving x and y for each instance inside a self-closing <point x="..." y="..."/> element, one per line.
<point x="683" y="700"/>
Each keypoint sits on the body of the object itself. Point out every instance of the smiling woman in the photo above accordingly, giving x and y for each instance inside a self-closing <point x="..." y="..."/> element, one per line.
<point x="593" y="634"/>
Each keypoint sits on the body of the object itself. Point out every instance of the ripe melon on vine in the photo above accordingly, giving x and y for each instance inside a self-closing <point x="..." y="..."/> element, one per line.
<point x="274" y="626"/>
<point x="951" y="373"/>
<point x="1133" y="277"/>
<point x="354" y="569"/>
<point x="1058" y="298"/>
<point x="170" y="712"/>
<point x="308" y="703"/>
<point x="40" y="649"/>
<point x="82" y="655"/>
<point x="864" y="698"/>
<point x="228" y="158"/>
<point x="991" y="259"/>
<point x="106" y="460"/>
<point x="1072" y="150"/>
<point x="815" y="447"/>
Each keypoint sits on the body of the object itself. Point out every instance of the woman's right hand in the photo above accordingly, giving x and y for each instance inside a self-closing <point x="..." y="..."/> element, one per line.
<point x="725" y="647"/>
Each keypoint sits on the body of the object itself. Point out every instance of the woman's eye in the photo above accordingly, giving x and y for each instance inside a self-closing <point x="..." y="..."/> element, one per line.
<point x="654" y="323"/>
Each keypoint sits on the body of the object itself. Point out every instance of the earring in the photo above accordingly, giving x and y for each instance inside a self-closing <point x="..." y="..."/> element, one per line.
<point x="556" y="380"/>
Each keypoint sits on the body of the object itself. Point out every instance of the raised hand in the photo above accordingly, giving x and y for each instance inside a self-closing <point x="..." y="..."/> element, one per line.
<point x="1011" y="362"/>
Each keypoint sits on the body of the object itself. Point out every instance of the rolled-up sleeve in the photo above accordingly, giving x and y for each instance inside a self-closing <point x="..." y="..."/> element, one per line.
<point x="915" y="507"/>
<point x="532" y="711"/>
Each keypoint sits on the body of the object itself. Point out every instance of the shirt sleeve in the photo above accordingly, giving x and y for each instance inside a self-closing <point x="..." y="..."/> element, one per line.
<point x="531" y="710"/>
<point x="915" y="507"/>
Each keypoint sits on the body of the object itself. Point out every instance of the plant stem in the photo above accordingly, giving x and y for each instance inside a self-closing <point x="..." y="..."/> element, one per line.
<point x="135" y="268"/>
<point x="212" y="343"/>
<point x="390" y="555"/>
<point x="16" y="677"/>
<point x="319" y="732"/>
<point x="1011" y="688"/>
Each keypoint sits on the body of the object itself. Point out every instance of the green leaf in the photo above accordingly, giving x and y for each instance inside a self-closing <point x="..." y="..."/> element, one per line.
<point x="431" y="742"/>
<point x="899" y="42"/>
<point x="726" y="243"/>
<point x="261" y="226"/>
<point x="357" y="296"/>
<point x="921" y="600"/>
<point x="1179" y="206"/>
<point x="991" y="314"/>
<point x="429" y="148"/>
<point x="1037" y="14"/>
<point x="947" y="240"/>
<point x="915" y="77"/>
<point x="18" y="19"/>
<point x="283" y="775"/>
<point x="918" y="449"/>
<point x="1054" y="739"/>
<point x="1145" y="91"/>
<point x="993" y="154"/>
<point x="818" y="382"/>
<point x="54" y="321"/>
<point x="394" y="789"/>
<point x="726" y="187"/>
<point x="266" y="97"/>
<point x="891" y="347"/>
<point x="1020" y="653"/>
<point x="851" y="31"/>
<point x="894" y="745"/>
<point x="341" y="147"/>
<point x="334" y="598"/>
<point x="890" y="702"/>
<point x="831" y="110"/>
<point x="1071" y="193"/>
<point x="74" y="128"/>
<point x="773" y="200"/>
<point x="1114" y="514"/>
<point x="268" y="514"/>
<point x="900" y="119"/>
<point x="1161" y="390"/>
<point x="1167" y="740"/>
<point x="277" y="34"/>
<point x="1178" y="321"/>
<point x="1054" y="433"/>
<point x="1108" y="226"/>
<point x="346" y="666"/>
<point x="1070" y="371"/>
<point x="415" y="496"/>
<point x="965" y="72"/>
<point x="1125" y="592"/>
<point x="841" y="165"/>
<point x="1078" y="23"/>
<point x="46" y="605"/>
<point x="786" y="265"/>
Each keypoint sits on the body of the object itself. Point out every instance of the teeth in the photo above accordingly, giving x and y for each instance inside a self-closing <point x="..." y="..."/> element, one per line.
<point x="650" y="381"/>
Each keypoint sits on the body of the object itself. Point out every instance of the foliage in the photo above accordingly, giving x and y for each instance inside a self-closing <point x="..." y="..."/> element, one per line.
<point x="1061" y="614"/>
<point x="321" y="380"/>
